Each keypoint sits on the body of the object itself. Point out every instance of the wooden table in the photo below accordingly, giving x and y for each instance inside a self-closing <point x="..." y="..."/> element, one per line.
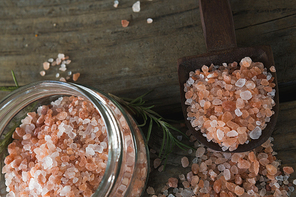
<point x="133" y="60"/>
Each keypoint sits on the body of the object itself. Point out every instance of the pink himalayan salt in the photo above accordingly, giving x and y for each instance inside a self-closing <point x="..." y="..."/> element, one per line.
<point x="184" y="162"/>
<point x="200" y="152"/>
<point x="288" y="170"/>
<point x="150" y="190"/>
<point x="156" y="162"/>
<point x="46" y="65"/>
<point x="173" y="182"/>
<point x="124" y="23"/>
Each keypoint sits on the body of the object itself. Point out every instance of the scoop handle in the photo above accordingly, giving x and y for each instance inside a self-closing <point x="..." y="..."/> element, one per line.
<point x="217" y="24"/>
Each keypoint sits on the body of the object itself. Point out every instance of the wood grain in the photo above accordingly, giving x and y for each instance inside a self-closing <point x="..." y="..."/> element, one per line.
<point x="130" y="61"/>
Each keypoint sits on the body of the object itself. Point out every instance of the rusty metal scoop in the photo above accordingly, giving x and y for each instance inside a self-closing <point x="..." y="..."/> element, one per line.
<point x="219" y="33"/>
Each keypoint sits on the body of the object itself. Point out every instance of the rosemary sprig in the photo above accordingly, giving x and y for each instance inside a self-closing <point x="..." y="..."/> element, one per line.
<point x="138" y="107"/>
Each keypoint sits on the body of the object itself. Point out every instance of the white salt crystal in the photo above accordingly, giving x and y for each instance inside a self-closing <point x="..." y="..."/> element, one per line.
<point x="61" y="56"/>
<point x="256" y="133"/>
<point x="65" y="191"/>
<point x="224" y="64"/>
<point x="136" y="7"/>
<point x="221" y="167"/>
<point x="240" y="82"/>
<point x="47" y="161"/>
<point x="42" y="73"/>
<point x="50" y="60"/>
<point x="62" y="69"/>
<point x="149" y="20"/>
<point x="232" y="133"/>
<point x="246" y="95"/>
<point x="89" y="151"/>
<point x="57" y="75"/>
<point x="227" y="174"/>
<point x="75" y="179"/>
<point x="104" y="145"/>
<point x="214" y="123"/>
<point x="190" y="81"/>
<point x="224" y="148"/>
<point x="238" y="112"/>
<point x="202" y="103"/>
<point x="258" y="123"/>
<point x="116" y="3"/>
<point x="294" y="181"/>
<point x="220" y="134"/>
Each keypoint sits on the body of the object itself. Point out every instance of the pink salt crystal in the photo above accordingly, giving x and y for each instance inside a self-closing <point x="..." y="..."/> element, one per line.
<point x="272" y="69"/>
<point x="227" y="174"/>
<point x="250" y="85"/>
<point x="240" y="103"/>
<point x="232" y="133"/>
<point x="173" y="182"/>
<point x="288" y="170"/>
<point x="246" y="62"/>
<point x="184" y="162"/>
<point x="63" y="79"/>
<point x="76" y="76"/>
<point x="203" y="167"/>
<point x="42" y="73"/>
<point x="239" y="190"/>
<point x="246" y="95"/>
<point x="46" y="65"/>
<point x="243" y="164"/>
<point x="124" y="23"/>
<point x="150" y="190"/>
<point x="234" y="169"/>
<point x="240" y="82"/>
<point x="200" y="152"/>
<point x="194" y="180"/>
<point x="160" y="169"/>
<point x="156" y="162"/>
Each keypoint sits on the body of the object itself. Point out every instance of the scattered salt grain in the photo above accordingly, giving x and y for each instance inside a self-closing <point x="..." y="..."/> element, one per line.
<point x="136" y="7"/>
<point x="156" y="162"/>
<point x="184" y="162"/>
<point x="50" y="60"/>
<point x="57" y="75"/>
<point x="124" y="23"/>
<point x="42" y="73"/>
<point x="76" y="76"/>
<point x="150" y="190"/>
<point x="149" y="20"/>
<point x="238" y="112"/>
<point x="272" y="69"/>
<point x="61" y="56"/>
<point x="116" y="3"/>
<point x="63" y="79"/>
<point x="46" y="65"/>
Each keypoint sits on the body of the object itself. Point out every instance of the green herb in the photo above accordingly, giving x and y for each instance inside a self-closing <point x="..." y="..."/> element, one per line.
<point x="138" y="106"/>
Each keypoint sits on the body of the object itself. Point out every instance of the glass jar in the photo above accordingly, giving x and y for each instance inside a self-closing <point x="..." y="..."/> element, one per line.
<point x="127" y="167"/>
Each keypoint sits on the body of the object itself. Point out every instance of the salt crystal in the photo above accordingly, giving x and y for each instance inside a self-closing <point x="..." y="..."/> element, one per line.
<point x="246" y="62"/>
<point x="214" y="123"/>
<point x="46" y="65"/>
<point x="200" y="151"/>
<point x="65" y="191"/>
<point x="116" y="3"/>
<point x="89" y="151"/>
<point x="179" y="137"/>
<point x="220" y="134"/>
<point x="50" y="60"/>
<point x="232" y="133"/>
<point x="224" y="148"/>
<point x="190" y="81"/>
<point x="217" y="102"/>
<point x="258" y="123"/>
<point x="42" y="73"/>
<point x="171" y="195"/>
<point x="238" y="112"/>
<point x="149" y="20"/>
<point x="62" y="69"/>
<point x="256" y="133"/>
<point x="61" y="56"/>
<point x="240" y="82"/>
<point x="221" y="167"/>
<point x="136" y="7"/>
<point x="57" y="75"/>
<point x="246" y="95"/>
<point x="184" y="162"/>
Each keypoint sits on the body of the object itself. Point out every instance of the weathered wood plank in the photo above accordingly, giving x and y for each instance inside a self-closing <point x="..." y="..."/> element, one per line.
<point x="130" y="61"/>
